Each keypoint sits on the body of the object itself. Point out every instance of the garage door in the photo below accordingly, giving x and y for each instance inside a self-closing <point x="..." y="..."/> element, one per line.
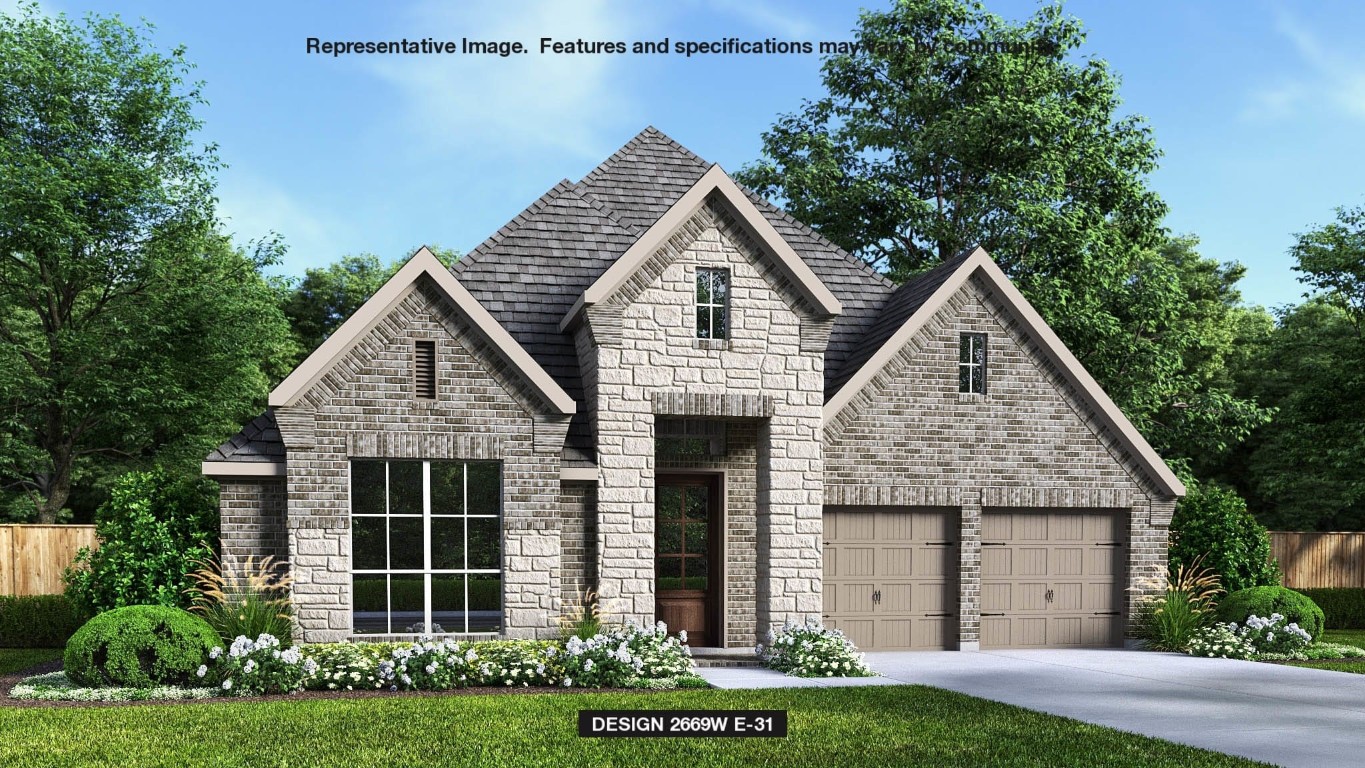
<point x="1051" y="579"/>
<point x="891" y="576"/>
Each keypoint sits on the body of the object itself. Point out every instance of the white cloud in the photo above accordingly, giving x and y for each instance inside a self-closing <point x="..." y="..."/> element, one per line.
<point x="556" y="102"/>
<point x="1332" y="75"/>
<point x="253" y="207"/>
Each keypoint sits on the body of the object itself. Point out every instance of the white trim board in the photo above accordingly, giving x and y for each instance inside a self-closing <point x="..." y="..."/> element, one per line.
<point x="714" y="180"/>
<point x="981" y="264"/>
<point x="424" y="262"/>
<point x="242" y="468"/>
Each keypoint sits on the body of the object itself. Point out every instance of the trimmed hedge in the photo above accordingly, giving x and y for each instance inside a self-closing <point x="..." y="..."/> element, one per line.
<point x="141" y="646"/>
<point x="37" y="621"/>
<point x="1343" y="607"/>
<point x="1264" y="601"/>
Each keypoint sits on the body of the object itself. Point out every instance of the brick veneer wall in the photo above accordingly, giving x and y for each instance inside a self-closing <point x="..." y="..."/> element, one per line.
<point x="252" y="516"/>
<point x="365" y="408"/>
<point x="641" y="343"/>
<point x="1028" y="442"/>
<point x="578" y="540"/>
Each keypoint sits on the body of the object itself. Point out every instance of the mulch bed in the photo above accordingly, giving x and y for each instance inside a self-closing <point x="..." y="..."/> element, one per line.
<point x="9" y="681"/>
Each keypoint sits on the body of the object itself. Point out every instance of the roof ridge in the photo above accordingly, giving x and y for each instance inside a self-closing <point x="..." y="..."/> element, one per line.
<point x="650" y="132"/>
<point x="517" y="221"/>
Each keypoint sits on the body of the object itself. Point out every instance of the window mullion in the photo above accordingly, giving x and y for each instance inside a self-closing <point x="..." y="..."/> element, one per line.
<point x="464" y="508"/>
<point x="426" y="546"/>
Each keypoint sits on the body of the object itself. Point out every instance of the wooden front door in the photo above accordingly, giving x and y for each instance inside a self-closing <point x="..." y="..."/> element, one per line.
<point x="687" y="556"/>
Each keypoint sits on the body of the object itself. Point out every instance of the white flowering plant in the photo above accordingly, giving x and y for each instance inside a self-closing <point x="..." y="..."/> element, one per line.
<point x="1219" y="641"/>
<point x="620" y="656"/>
<point x="255" y="667"/>
<point x="812" y="650"/>
<point x="346" y="666"/>
<point x="440" y="665"/>
<point x="1273" y="635"/>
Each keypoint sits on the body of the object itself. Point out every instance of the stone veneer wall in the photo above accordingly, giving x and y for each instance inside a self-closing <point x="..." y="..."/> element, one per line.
<point x="578" y="540"/>
<point x="1028" y="442"/>
<point x="252" y="514"/>
<point x="641" y="344"/>
<point x="364" y="408"/>
<point x="739" y="464"/>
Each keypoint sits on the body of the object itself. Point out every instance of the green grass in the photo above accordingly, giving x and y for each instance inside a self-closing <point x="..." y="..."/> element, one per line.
<point x="1356" y="666"/>
<point x="1354" y="637"/>
<point x="18" y="659"/>
<point x="871" y="726"/>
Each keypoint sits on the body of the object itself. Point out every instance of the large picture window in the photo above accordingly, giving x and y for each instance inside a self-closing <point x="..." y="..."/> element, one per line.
<point x="426" y="547"/>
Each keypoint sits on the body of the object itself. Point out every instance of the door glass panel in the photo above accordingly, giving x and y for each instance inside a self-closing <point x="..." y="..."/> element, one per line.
<point x="696" y="573"/>
<point x="668" y="538"/>
<point x="668" y="504"/>
<point x="697" y="498"/>
<point x="670" y="572"/>
<point x="696" y="539"/>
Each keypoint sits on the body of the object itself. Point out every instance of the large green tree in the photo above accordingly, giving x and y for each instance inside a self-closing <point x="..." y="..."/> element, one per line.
<point x="130" y="326"/>
<point x="1306" y="469"/>
<point x="951" y="127"/>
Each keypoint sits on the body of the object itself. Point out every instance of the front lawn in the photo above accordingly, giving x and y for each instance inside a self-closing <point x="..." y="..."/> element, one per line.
<point x="1354" y="637"/>
<point x="18" y="659"/>
<point x="871" y="726"/>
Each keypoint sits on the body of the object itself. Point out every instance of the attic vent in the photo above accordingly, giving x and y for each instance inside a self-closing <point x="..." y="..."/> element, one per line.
<point x="424" y="370"/>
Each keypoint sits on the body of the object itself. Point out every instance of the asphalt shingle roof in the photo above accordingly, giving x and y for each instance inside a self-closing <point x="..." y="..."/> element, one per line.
<point x="530" y="272"/>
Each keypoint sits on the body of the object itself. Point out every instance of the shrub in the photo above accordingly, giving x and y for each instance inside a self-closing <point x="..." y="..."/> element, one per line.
<point x="812" y="650"/>
<point x="1212" y="523"/>
<point x="37" y="621"/>
<point x="55" y="686"/>
<point x="1265" y="601"/>
<point x="151" y="531"/>
<point x="250" y="603"/>
<point x="1219" y="641"/>
<point x="1273" y="634"/>
<point x="1342" y="607"/>
<point x="1169" y="622"/>
<point x="141" y="646"/>
<point x="256" y="667"/>
<point x="346" y="666"/>
<point x="619" y="655"/>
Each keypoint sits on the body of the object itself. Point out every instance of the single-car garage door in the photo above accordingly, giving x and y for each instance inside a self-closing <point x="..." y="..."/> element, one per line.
<point x="891" y="576"/>
<point x="1052" y="579"/>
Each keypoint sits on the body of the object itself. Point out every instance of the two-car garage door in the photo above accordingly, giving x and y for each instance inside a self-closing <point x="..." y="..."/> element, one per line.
<point x="1049" y="578"/>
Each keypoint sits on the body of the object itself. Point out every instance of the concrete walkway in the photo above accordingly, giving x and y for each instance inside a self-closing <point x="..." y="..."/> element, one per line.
<point x="1284" y="715"/>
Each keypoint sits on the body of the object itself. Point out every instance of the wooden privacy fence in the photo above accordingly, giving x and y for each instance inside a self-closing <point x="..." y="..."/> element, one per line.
<point x="32" y="557"/>
<point x="1310" y="559"/>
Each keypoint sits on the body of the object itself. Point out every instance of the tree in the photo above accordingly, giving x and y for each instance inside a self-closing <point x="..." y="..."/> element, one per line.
<point x="951" y="127"/>
<point x="129" y="324"/>
<point x="326" y="296"/>
<point x="1212" y="527"/>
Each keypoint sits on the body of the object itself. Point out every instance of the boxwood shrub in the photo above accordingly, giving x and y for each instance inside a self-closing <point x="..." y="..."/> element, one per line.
<point x="37" y="621"/>
<point x="1343" y="607"/>
<point x="141" y="646"/>
<point x="1265" y="601"/>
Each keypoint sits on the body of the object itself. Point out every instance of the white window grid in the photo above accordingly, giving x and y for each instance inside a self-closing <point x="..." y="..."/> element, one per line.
<point x="715" y="308"/>
<point x="427" y="571"/>
<point x="975" y="344"/>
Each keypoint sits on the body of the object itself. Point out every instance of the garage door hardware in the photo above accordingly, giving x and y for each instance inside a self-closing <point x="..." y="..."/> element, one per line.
<point x="1105" y="613"/>
<point x="1108" y="543"/>
<point x="993" y="543"/>
<point x="940" y="543"/>
<point x="993" y="614"/>
<point x="877" y="597"/>
<point x="1048" y="596"/>
<point x="940" y="615"/>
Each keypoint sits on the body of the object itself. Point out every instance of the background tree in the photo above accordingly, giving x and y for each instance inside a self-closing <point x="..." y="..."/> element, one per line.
<point x="129" y="325"/>
<point x="951" y="127"/>
<point x="326" y="296"/>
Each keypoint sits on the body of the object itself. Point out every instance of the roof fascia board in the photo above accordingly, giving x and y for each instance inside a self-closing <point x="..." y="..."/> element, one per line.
<point x="424" y="262"/>
<point x="1033" y="323"/>
<point x="242" y="468"/>
<point x="714" y="180"/>
<point x="579" y="474"/>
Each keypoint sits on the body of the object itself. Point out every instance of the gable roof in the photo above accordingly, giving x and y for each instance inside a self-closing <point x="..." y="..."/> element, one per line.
<point x="714" y="184"/>
<point x="919" y="300"/>
<point x="422" y="263"/>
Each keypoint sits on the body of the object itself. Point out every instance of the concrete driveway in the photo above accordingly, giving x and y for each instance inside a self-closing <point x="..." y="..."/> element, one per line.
<point x="1277" y="714"/>
<point x="1284" y="715"/>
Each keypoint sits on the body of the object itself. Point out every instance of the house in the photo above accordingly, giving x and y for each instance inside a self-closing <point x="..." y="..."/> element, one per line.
<point x="654" y="383"/>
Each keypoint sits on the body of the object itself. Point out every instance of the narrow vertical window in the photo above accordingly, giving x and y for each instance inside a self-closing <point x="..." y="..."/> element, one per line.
<point x="424" y="370"/>
<point x="713" y="303"/>
<point x="971" y="364"/>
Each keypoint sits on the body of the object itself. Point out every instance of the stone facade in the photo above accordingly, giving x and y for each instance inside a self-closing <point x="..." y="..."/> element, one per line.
<point x="646" y="362"/>
<point x="912" y="439"/>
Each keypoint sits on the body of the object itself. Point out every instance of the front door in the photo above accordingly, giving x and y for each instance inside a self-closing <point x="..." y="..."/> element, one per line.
<point x="687" y="556"/>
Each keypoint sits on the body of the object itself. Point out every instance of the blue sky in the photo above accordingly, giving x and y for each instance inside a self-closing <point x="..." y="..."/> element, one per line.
<point x="1258" y="106"/>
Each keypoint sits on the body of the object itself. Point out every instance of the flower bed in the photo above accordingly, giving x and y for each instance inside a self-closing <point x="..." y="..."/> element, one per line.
<point x="1265" y="639"/>
<point x="54" y="686"/>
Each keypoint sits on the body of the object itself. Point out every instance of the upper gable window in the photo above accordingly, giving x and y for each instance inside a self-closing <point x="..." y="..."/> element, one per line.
<point x="971" y="364"/>
<point x="713" y="303"/>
